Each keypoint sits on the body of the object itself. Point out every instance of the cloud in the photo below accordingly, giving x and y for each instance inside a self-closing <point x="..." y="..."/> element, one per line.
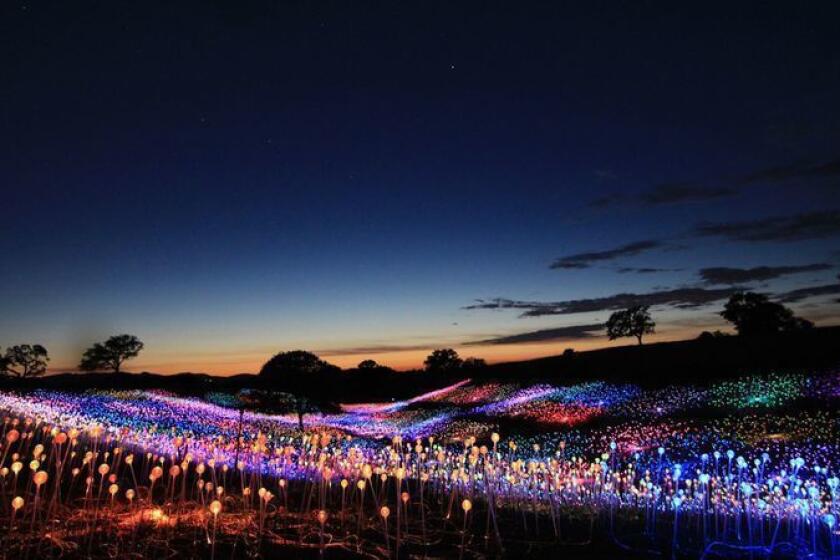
<point x="800" y="294"/>
<point x="725" y="275"/>
<point x="666" y="193"/>
<point x="681" y="298"/>
<point x="377" y="349"/>
<point x="544" y="335"/>
<point x="793" y="171"/>
<point x="585" y="260"/>
<point x="685" y="191"/>
<point x="673" y="193"/>
<point x="812" y="225"/>
<point x="644" y="270"/>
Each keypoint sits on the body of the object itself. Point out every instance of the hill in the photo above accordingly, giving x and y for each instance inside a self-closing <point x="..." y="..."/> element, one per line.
<point x="697" y="361"/>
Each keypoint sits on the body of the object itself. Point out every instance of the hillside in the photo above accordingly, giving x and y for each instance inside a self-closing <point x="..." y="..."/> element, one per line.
<point x="691" y="361"/>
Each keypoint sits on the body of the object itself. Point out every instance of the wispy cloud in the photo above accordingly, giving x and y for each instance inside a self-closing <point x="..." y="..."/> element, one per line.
<point x="644" y="270"/>
<point x="585" y="260"/>
<point x="666" y="193"/>
<point x="673" y="193"/>
<point x="792" y="171"/>
<point x="726" y="275"/>
<point x="804" y="293"/>
<point x="681" y="298"/>
<point x="680" y="192"/>
<point x="378" y="349"/>
<point x="811" y="225"/>
<point x="544" y="335"/>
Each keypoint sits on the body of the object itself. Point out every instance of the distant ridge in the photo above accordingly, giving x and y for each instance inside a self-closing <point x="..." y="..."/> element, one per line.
<point x="699" y="361"/>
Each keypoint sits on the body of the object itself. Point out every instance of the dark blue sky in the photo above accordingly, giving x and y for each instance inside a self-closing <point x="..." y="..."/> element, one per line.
<point x="228" y="181"/>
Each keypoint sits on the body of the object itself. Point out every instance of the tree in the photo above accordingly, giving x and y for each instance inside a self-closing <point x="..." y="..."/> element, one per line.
<point x="633" y="321"/>
<point x="24" y="360"/>
<point x="111" y="354"/>
<point x="368" y="364"/>
<point x="304" y="376"/>
<point x="443" y="360"/>
<point x="473" y="364"/>
<point x="754" y="314"/>
<point x="706" y="335"/>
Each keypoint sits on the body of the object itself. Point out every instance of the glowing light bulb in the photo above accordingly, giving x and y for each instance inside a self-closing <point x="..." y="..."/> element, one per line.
<point x="40" y="478"/>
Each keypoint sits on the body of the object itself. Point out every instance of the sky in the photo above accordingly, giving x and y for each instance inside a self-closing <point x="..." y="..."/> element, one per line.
<point x="375" y="180"/>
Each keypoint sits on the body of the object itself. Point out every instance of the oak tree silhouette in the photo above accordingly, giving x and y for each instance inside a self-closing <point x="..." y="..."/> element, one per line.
<point x="633" y="321"/>
<point x="300" y="381"/>
<point x="24" y="360"/>
<point x="755" y="314"/>
<point x="443" y="360"/>
<point x="111" y="354"/>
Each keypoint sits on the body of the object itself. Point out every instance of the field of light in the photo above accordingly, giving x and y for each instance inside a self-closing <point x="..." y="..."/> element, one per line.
<point x="744" y="466"/>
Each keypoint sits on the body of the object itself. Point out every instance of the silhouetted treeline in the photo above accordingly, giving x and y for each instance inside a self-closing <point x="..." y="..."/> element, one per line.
<point x="352" y="385"/>
<point x="705" y="359"/>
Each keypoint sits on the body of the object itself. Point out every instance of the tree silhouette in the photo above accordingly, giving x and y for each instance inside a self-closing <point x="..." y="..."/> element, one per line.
<point x="754" y="314"/>
<point x="473" y="364"/>
<point x="304" y="377"/>
<point x="443" y="360"/>
<point x="24" y="360"/>
<point x="706" y="335"/>
<point x="633" y="321"/>
<point x="111" y="354"/>
<point x="368" y="364"/>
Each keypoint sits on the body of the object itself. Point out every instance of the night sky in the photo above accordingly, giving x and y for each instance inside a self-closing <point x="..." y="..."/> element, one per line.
<point x="376" y="180"/>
